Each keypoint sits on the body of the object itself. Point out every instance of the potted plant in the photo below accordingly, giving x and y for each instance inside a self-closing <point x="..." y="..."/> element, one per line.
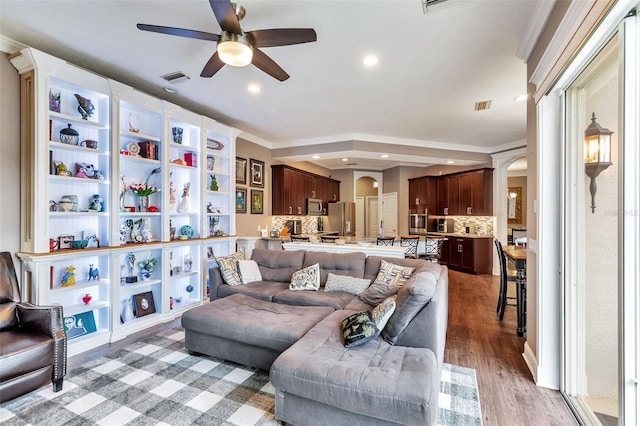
<point x="146" y="267"/>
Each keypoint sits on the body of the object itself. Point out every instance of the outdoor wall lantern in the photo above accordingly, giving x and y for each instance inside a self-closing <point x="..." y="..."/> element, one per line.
<point x="597" y="154"/>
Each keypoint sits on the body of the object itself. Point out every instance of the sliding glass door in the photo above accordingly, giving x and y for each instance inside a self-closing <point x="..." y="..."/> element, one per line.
<point x="601" y="231"/>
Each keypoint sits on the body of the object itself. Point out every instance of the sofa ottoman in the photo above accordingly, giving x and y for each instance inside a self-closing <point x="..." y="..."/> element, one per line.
<point x="318" y="381"/>
<point x="247" y="330"/>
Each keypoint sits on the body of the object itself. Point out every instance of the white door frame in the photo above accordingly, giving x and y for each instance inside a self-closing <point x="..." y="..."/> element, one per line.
<point x="368" y="200"/>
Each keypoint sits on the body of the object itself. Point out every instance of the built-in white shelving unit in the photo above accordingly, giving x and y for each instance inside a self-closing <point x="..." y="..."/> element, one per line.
<point x="84" y="159"/>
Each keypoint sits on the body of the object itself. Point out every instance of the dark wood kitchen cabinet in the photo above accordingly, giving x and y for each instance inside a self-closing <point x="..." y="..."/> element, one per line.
<point x="423" y="195"/>
<point x="457" y="194"/>
<point x="291" y="187"/>
<point x="470" y="255"/>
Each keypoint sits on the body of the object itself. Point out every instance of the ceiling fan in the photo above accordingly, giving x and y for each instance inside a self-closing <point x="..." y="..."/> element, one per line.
<point x="236" y="47"/>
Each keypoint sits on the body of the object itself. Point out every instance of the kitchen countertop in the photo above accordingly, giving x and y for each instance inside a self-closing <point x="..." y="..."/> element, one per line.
<point x="459" y="234"/>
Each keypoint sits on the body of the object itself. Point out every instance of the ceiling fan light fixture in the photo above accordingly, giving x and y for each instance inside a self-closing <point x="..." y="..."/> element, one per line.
<point x="235" y="49"/>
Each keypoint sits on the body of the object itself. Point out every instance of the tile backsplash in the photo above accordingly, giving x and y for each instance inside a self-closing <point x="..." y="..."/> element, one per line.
<point x="479" y="225"/>
<point x="309" y="223"/>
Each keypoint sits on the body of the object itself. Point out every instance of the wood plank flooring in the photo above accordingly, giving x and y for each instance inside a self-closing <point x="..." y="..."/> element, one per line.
<point x="477" y="339"/>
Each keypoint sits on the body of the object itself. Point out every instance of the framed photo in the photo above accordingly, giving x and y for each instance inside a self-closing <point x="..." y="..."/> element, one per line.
<point x="241" y="170"/>
<point x="144" y="304"/>
<point x="210" y="253"/>
<point x="241" y="200"/>
<point x="79" y="324"/>
<point x="257" y="199"/>
<point x="257" y="173"/>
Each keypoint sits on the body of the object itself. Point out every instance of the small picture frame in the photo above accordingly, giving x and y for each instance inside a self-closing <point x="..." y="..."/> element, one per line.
<point x="210" y="254"/>
<point x="241" y="170"/>
<point x="144" y="304"/>
<point x="257" y="173"/>
<point x="241" y="200"/>
<point x="257" y="201"/>
<point x="79" y="324"/>
<point x="65" y="241"/>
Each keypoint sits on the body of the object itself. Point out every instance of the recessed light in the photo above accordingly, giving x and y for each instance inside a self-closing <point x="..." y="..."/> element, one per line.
<point x="169" y="89"/>
<point x="316" y="157"/>
<point x="370" y="60"/>
<point x="521" y="98"/>
<point x="384" y="156"/>
<point x="450" y="162"/>
<point x="345" y="159"/>
<point x="254" y="88"/>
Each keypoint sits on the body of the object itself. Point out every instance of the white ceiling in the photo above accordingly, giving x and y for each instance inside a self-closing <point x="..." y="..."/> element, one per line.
<point x="432" y="69"/>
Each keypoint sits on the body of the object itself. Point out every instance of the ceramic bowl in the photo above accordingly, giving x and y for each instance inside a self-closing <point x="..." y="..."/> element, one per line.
<point x="65" y="206"/>
<point x="79" y="244"/>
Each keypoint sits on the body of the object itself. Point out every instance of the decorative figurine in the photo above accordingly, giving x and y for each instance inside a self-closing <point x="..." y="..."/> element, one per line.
<point x="85" y="106"/>
<point x="214" y="183"/>
<point x="184" y="202"/>
<point x="189" y="288"/>
<point x="68" y="277"/>
<point x="123" y="189"/>
<point x="95" y="203"/>
<point x="172" y="193"/>
<point x="94" y="273"/>
<point x="131" y="260"/>
<point x="61" y="169"/>
<point x="85" y="170"/>
<point x="87" y="298"/>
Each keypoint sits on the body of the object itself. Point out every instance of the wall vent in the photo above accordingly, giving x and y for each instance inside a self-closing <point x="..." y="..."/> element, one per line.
<point x="427" y="3"/>
<point x="482" y="105"/>
<point x="175" y="77"/>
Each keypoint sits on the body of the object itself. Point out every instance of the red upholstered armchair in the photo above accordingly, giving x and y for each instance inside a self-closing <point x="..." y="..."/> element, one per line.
<point x="33" y="343"/>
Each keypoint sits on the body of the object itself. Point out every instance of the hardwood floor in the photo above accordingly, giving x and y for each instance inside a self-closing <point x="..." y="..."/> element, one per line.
<point x="477" y="339"/>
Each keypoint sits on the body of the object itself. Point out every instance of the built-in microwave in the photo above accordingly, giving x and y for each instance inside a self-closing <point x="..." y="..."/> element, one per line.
<point x="314" y="207"/>
<point x="418" y="224"/>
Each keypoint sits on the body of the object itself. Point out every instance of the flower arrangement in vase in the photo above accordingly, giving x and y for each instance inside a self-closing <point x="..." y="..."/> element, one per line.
<point x="54" y="101"/>
<point x="143" y="190"/>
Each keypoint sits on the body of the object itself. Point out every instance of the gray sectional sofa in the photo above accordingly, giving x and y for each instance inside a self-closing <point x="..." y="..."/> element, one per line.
<point x="297" y="336"/>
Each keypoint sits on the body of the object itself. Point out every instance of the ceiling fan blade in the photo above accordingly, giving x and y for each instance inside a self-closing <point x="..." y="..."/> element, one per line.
<point x="268" y="65"/>
<point x="180" y="32"/>
<point x="212" y="66"/>
<point x="281" y="36"/>
<point x="226" y="16"/>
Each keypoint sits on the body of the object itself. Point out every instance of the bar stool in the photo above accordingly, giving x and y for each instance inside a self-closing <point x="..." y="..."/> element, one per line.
<point x="411" y="243"/>
<point x="506" y="275"/>
<point x="433" y="248"/>
<point x="328" y="239"/>
<point x="385" y="241"/>
<point x="296" y="239"/>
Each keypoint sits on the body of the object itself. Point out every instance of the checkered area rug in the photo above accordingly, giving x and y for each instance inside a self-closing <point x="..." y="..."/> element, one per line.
<point x="156" y="382"/>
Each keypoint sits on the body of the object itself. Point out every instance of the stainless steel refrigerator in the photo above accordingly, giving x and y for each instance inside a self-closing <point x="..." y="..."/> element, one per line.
<point x="341" y="218"/>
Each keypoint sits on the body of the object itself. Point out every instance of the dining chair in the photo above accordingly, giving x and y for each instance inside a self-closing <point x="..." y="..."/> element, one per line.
<point x="522" y="241"/>
<point x="507" y="275"/>
<point x="411" y="243"/>
<point x="433" y="248"/>
<point x="296" y="239"/>
<point x="385" y="241"/>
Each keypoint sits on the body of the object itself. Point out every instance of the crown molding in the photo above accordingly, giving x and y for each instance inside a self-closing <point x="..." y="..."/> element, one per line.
<point x="534" y="29"/>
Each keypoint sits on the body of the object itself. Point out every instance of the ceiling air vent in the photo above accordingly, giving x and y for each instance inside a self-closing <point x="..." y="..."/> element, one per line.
<point x="482" y="105"/>
<point x="175" y="77"/>
<point x="427" y="3"/>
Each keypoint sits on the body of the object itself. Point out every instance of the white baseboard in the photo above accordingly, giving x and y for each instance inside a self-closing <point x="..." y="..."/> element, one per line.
<point x="531" y="361"/>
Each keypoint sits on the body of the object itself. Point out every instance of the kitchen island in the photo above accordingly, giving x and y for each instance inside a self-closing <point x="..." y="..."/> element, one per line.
<point x="369" y="248"/>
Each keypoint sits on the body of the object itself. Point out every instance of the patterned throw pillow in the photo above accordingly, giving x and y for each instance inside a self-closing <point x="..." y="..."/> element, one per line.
<point x="346" y="284"/>
<point x="358" y="329"/>
<point x="306" y="279"/>
<point x="394" y="274"/>
<point x="229" y="268"/>
<point x="249" y="271"/>
<point x="381" y="313"/>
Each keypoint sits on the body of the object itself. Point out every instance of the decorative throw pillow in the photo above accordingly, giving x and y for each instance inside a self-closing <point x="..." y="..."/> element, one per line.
<point x="346" y="284"/>
<point x="359" y="328"/>
<point x="229" y="268"/>
<point x="249" y="271"/>
<point x="391" y="273"/>
<point x="306" y="279"/>
<point x="381" y="313"/>
<point x="378" y="292"/>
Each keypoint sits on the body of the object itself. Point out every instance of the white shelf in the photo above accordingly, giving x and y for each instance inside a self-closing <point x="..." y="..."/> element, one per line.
<point x="74" y="119"/>
<point x="183" y="274"/>
<point x="138" y="159"/>
<point x="79" y="148"/>
<point x="139" y="284"/>
<point x="79" y="308"/>
<point x="74" y="180"/>
<point x="140" y="136"/>
<point x="81" y="284"/>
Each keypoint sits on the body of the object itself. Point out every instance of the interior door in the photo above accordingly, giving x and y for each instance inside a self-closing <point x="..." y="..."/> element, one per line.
<point x="390" y="214"/>
<point x="360" y="228"/>
<point x="372" y="216"/>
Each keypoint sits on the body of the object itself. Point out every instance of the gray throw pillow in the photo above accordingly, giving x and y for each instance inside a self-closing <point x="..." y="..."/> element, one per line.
<point x="412" y="297"/>
<point x="346" y="284"/>
<point x="389" y="280"/>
